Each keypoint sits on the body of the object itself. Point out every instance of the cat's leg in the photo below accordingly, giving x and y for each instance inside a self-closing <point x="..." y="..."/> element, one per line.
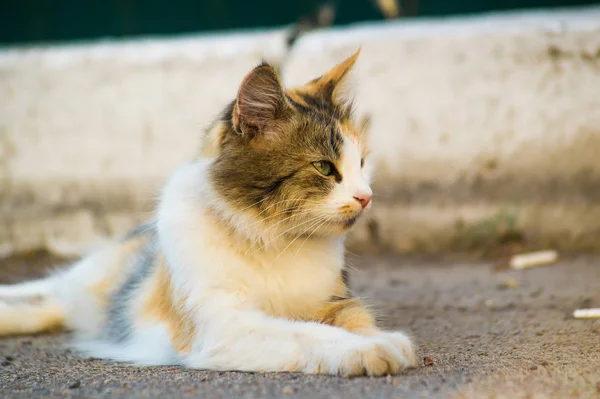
<point x="253" y="341"/>
<point x="351" y="314"/>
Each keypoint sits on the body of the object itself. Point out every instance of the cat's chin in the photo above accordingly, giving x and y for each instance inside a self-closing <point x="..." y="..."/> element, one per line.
<point x="333" y="229"/>
<point x="341" y="225"/>
<point x="350" y="222"/>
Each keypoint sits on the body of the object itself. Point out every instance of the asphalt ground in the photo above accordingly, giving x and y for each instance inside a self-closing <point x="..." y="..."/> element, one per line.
<point x="480" y="332"/>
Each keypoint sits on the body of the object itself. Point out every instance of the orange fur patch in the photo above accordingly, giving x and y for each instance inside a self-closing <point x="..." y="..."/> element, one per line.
<point x="212" y="138"/>
<point x="344" y="311"/>
<point x="115" y="273"/>
<point x="295" y="95"/>
<point x="348" y="313"/>
<point x="340" y="290"/>
<point x="31" y="318"/>
<point x="356" y="133"/>
<point x="334" y="77"/>
<point x="158" y="304"/>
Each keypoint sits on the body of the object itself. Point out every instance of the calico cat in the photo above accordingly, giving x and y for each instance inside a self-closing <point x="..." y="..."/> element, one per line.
<point x="242" y="267"/>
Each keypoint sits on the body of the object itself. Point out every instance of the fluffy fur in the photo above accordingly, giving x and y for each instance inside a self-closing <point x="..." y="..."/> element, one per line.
<point x="243" y="266"/>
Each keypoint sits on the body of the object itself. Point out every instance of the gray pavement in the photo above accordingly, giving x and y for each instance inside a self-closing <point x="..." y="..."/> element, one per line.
<point x="484" y="333"/>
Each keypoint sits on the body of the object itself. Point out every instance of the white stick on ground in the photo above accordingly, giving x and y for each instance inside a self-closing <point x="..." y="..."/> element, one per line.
<point x="587" y="313"/>
<point x="533" y="259"/>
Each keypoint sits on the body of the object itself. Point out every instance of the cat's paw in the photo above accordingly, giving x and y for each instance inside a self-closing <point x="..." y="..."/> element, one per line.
<point x="403" y="343"/>
<point x="372" y="356"/>
<point x="397" y="338"/>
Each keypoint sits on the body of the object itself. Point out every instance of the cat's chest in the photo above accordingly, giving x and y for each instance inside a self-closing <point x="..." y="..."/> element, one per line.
<point x="295" y="285"/>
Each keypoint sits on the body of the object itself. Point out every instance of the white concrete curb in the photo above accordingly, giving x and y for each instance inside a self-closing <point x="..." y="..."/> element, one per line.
<point x="482" y="126"/>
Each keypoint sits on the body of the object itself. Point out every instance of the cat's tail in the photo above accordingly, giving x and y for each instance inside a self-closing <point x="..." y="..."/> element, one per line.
<point x="74" y="298"/>
<point x="30" y="307"/>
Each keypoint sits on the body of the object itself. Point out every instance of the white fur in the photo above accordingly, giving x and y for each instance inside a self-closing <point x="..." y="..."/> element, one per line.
<point x="148" y="346"/>
<point x="86" y="315"/>
<point x="38" y="288"/>
<point x="356" y="179"/>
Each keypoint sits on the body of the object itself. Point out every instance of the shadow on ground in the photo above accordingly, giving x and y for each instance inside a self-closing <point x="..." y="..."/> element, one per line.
<point x="484" y="334"/>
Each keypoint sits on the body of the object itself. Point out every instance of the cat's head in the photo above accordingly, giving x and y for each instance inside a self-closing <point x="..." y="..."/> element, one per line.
<point x="293" y="162"/>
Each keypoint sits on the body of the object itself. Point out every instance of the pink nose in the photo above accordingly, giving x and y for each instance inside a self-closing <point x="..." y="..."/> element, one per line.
<point x="364" y="199"/>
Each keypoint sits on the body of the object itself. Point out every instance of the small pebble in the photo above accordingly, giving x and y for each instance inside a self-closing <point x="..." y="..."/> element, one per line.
<point x="533" y="368"/>
<point x="506" y="284"/>
<point x="75" y="385"/>
<point x="288" y="390"/>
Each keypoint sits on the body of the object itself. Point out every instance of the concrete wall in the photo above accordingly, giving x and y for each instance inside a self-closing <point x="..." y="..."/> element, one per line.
<point x="484" y="129"/>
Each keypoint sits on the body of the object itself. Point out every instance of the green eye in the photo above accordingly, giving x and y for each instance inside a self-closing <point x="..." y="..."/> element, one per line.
<point x="324" y="167"/>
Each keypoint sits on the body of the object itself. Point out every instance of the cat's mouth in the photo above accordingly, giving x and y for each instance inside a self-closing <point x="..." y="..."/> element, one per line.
<point x="349" y="222"/>
<point x="348" y="215"/>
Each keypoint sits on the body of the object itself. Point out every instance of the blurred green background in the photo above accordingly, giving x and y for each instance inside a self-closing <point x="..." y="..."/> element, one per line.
<point x="34" y="21"/>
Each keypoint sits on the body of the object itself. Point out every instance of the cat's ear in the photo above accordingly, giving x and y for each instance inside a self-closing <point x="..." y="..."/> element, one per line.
<point x="260" y="102"/>
<point x="329" y="88"/>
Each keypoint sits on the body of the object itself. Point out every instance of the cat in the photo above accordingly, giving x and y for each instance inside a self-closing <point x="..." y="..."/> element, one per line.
<point x="242" y="266"/>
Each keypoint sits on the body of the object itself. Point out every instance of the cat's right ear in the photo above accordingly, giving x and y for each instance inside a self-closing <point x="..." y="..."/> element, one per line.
<point x="260" y="104"/>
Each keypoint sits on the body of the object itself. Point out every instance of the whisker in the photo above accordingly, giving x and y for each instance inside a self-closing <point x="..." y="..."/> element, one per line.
<point x="289" y="200"/>
<point x="254" y="204"/>
<point x="275" y="238"/>
<point x="302" y="212"/>
<point x="265" y="232"/>
<point x="296" y="226"/>
<point x="276" y="203"/>
<point x="306" y="239"/>
<point x="348" y="252"/>
<point x="281" y="221"/>
<point x="349" y="266"/>
<point x="299" y="235"/>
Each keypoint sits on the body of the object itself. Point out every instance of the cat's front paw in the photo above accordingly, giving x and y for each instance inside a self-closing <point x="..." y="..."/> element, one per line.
<point x="397" y="338"/>
<point x="403" y="343"/>
<point x="372" y="356"/>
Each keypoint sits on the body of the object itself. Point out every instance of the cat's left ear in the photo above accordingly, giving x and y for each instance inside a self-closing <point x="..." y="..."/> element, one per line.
<point x="260" y="104"/>
<point x="329" y="88"/>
